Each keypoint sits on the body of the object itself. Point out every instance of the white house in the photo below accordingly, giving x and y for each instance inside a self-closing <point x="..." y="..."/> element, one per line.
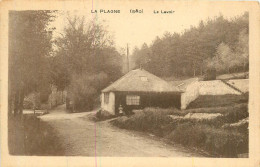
<point x="139" y="89"/>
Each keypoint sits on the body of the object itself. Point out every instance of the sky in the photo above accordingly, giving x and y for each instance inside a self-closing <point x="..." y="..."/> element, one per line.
<point x="138" y="28"/>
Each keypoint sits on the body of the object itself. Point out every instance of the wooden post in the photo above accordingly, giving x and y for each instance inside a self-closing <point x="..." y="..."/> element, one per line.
<point x="127" y="58"/>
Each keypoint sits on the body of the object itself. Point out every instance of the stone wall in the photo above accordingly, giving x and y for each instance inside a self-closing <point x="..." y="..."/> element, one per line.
<point x="214" y="87"/>
<point x="241" y="84"/>
<point x="191" y="93"/>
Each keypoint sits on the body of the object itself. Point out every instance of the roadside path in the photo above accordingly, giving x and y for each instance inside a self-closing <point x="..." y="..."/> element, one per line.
<point x="82" y="137"/>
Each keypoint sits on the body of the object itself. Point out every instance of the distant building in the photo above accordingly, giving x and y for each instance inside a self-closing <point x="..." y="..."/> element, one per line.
<point x="139" y="89"/>
<point x="193" y="88"/>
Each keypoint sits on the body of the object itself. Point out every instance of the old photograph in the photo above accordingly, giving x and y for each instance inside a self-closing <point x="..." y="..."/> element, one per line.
<point x="129" y="82"/>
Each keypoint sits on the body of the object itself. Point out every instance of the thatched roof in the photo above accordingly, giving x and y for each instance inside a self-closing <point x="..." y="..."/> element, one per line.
<point x="140" y="80"/>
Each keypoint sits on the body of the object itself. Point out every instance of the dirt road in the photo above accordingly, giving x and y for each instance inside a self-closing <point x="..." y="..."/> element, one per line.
<point x="80" y="136"/>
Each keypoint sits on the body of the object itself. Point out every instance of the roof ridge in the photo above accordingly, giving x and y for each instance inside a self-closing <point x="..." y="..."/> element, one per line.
<point x="129" y="80"/>
<point x="154" y="75"/>
<point x="162" y="80"/>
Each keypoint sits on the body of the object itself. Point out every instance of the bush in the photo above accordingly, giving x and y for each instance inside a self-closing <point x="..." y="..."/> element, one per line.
<point x="225" y="142"/>
<point x="230" y="114"/>
<point x="167" y="111"/>
<point x="27" y="104"/>
<point x="45" y="107"/>
<point x="84" y="88"/>
<point x="210" y="74"/>
<point x="103" y="115"/>
<point x="185" y="132"/>
<point x="222" y="142"/>
<point x="158" y="120"/>
<point x="150" y="119"/>
<point x="236" y="114"/>
<point x="240" y="126"/>
<point x="204" y="134"/>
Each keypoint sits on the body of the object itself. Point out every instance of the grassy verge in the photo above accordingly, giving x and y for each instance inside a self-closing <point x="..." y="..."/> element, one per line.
<point x="30" y="136"/>
<point x="207" y="135"/>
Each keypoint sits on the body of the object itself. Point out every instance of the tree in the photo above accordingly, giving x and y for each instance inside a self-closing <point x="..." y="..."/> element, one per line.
<point x="143" y="56"/>
<point x="227" y="59"/>
<point x="224" y="57"/>
<point x="217" y="43"/>
<point x="242" y="49"/>
<point x="88" y="61"/>
<point x="29" y="45"/>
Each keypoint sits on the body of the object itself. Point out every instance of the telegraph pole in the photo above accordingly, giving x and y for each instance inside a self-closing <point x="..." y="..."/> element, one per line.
<point x="127" y="57"/>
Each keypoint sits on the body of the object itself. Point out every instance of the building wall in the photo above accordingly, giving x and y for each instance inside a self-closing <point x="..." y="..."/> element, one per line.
<point x="215" y="87"/>
<point x="191" y="93"/>
<point x="241" y="84"/>
<point x="147" y="99"/>
<point x="110" y="106"/>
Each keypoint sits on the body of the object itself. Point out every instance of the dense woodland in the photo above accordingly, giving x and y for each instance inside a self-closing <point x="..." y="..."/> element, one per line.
<point x="219" y="43"/>
<point x="83" y="59"/>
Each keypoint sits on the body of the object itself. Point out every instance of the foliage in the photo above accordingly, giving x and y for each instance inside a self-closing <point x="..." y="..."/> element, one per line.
<point x="242" y="75"/>
<point x="85" y="61"/>
<point x="225" y="143"/>
<point x="27" y="104"/>
<point x="103" y="115"/>
<point x="30" y="136"/>
<point x="210" y="74"/>
<point x="151" y="120"/>
<point x="217" y="43"/>
<point x="29" y="47"/>
<point x="208" y="135"/>
<point x="235" y="115"/>
<point x="84" y="88"/>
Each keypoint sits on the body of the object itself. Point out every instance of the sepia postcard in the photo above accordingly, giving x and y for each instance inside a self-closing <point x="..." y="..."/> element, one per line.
<point x="130" y="83"/>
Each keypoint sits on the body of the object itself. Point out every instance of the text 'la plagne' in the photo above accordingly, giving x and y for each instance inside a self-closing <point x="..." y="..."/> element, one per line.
<point x="133" y="11"/>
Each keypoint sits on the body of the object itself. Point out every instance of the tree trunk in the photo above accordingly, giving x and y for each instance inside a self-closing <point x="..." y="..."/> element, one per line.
<point x="61" y="97"/>
<point x="194" y="69"/>
<point x="183" y="71"/>
<point x="21" y="100"/>
<point x="244" y="67"/>
<point x="10" y="103"/>
<point x="16" y="102"/>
